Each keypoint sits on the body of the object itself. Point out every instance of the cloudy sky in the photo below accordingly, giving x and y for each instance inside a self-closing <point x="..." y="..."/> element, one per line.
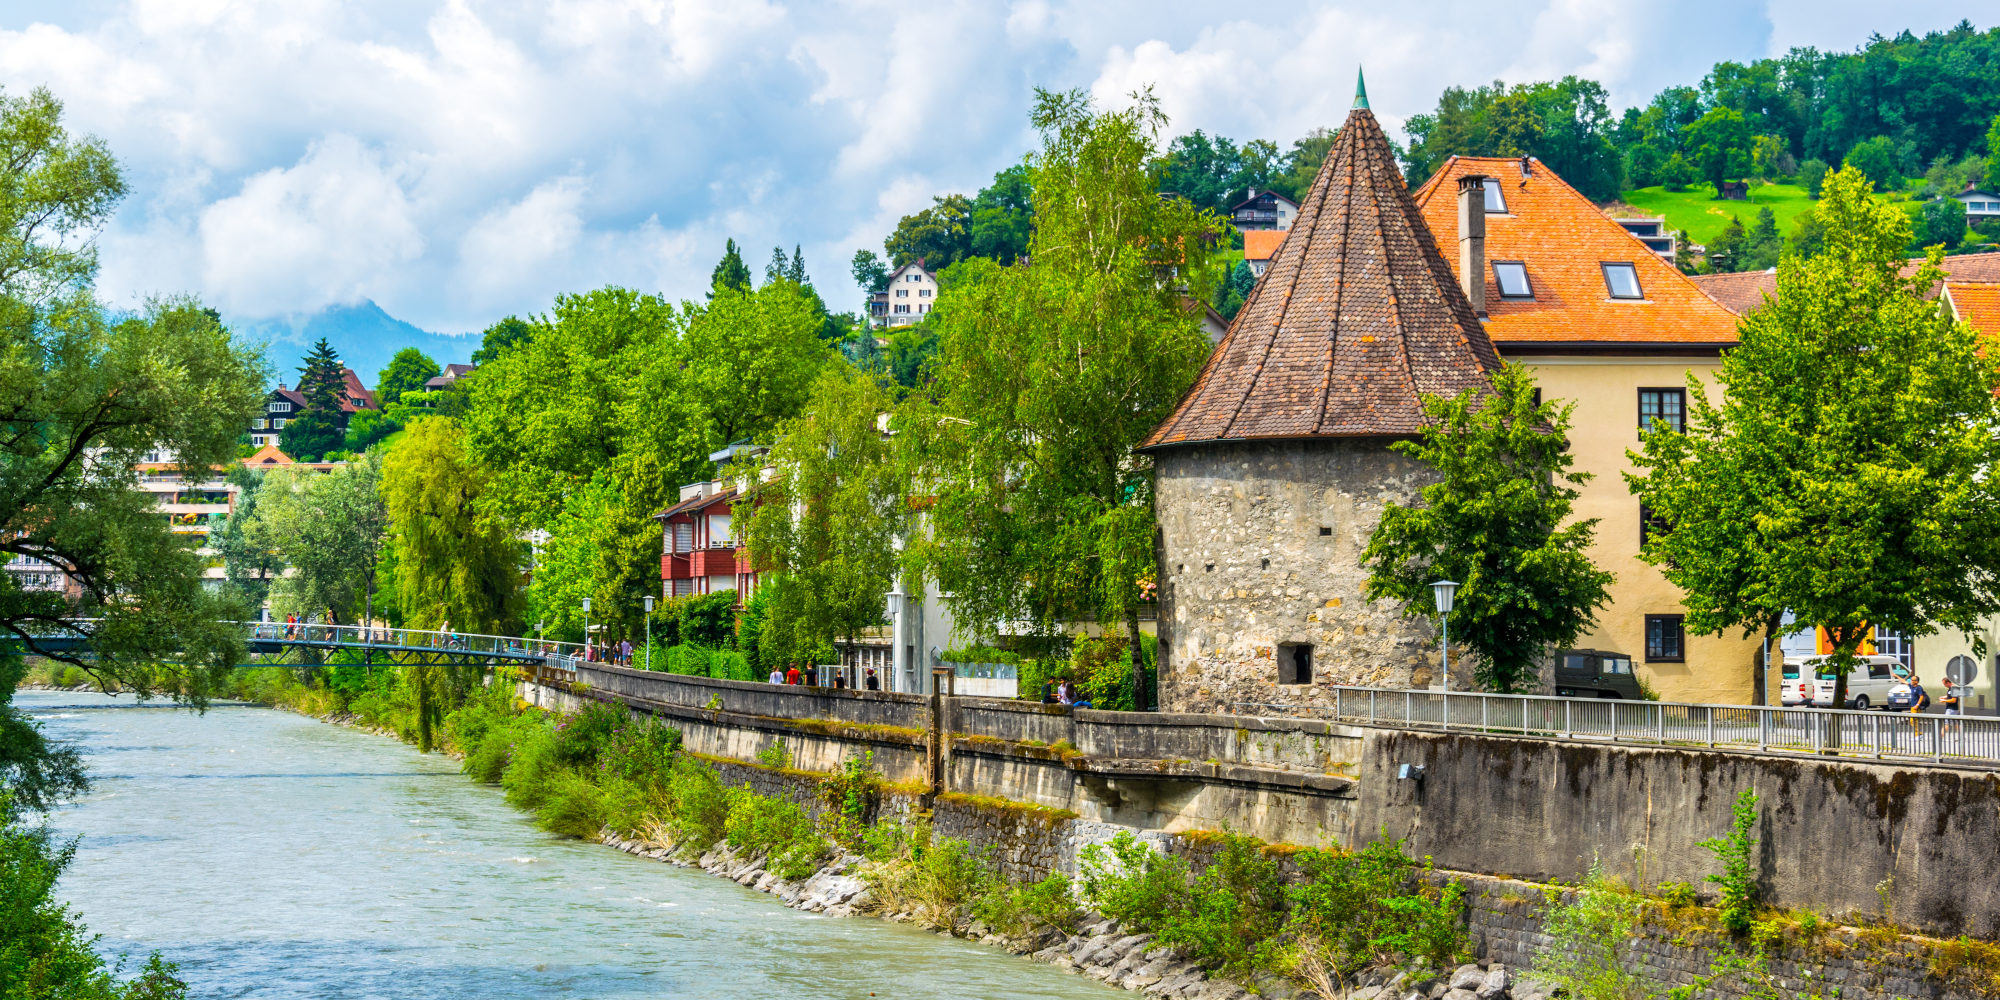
<point x="457" y="161"/>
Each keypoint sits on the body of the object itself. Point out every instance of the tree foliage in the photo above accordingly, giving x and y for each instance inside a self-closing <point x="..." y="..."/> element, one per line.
<point x="454" y="562"/>
<point x="407" y="372"/>
<point x="56" y="191"/>
<point x="1498" y="521"/>
<point x="1566" y="124"/>
<point x="500" y="338"/>
<point x="1844" y="476"/>
<point x="730" y="272"/>
<point x="939" y="236"/>
<point x="319" y="426"/>
<point x="327" y="527"/>
<point x="827" y="518"/>
<point x="1048" y="375"/>
<point x="1718" y="146"/>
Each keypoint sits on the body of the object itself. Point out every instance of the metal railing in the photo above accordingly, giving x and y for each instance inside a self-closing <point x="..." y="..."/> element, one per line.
<point x="562" y="654"/>
<point x="1957" y="740"/>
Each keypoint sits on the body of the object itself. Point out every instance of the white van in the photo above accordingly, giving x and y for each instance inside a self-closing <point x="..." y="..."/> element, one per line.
<point x="1809" y="681"/>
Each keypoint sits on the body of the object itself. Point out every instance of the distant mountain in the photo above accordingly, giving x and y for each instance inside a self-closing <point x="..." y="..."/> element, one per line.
<point x="365" y="336"/>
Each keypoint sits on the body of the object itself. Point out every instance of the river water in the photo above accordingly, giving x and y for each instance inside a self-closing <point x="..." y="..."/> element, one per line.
<point x="272" y="855"/>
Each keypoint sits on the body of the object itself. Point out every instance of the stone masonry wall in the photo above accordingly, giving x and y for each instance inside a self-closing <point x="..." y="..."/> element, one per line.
<point x="1261" y="545"/>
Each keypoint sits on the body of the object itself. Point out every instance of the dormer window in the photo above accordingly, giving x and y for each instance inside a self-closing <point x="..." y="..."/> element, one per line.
<point x="1622" y="281"/>
<point x="281" y="406"/>
<point x="1496" y="201"/>
<point x="1512" y="277"/>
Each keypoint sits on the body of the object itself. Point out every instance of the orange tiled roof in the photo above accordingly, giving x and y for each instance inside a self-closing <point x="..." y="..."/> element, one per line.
<point x="1563" y="238"/>
<point x="1262" y="244"/>
<point x="1355" y="321"/>
<point x="1977" y="303"/>
<point x="1744" y="291"/>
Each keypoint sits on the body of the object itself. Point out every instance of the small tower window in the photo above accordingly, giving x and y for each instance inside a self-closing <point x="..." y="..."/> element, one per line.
<point x="1295" y="663"/>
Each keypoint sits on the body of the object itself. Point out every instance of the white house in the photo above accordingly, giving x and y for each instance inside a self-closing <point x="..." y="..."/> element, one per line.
<point x="911" y="293"/>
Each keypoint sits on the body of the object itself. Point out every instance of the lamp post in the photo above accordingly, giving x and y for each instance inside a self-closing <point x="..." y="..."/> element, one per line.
<point x="586" y="629"/>
<point x="649" y="632"/>
<point x="1442" y="591"/>
<point x="896" y="595"/>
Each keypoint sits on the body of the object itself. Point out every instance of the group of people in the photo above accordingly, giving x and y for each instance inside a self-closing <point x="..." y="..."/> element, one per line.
<point x="618" y="654"/>
<point x="810" y="676"/>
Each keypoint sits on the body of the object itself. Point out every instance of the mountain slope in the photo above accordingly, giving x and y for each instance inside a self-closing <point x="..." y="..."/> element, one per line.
<point x="364" y="335"/>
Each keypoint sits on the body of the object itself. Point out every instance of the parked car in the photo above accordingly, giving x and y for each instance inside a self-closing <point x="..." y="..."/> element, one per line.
<point x="1809" y="681"/>
<point x="1595" y="673"/>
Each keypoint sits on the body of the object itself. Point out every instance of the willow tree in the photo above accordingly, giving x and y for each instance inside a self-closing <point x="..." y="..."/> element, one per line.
<point x="1846" y="474"/>
<point x="453" y="563"/>
<point x="1050" y="372"/>
<point x="826" y="522"/>
<point x="327" y="527"/>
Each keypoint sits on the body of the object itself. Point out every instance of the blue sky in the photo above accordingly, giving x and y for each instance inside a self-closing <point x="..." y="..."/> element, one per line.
<point x="458" y="161"/>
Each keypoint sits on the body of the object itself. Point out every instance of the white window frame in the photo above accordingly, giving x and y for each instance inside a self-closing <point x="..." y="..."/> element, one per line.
<point x="281" y="406"/>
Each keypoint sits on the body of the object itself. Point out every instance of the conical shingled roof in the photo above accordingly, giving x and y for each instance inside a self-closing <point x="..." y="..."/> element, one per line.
<point x="1355" y="320"/>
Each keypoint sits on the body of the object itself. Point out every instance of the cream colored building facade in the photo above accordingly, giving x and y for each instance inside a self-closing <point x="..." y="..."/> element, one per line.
<point x="1604" y="323"/>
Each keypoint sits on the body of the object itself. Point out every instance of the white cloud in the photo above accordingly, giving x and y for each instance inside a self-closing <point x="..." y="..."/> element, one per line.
<point x="457" y="160"/>
<point x="334" y="228"/>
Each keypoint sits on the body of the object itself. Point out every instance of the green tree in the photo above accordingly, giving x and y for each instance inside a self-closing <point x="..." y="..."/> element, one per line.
<point x="1498" y="521"/>
<point x="319" y="426"/>
<point x="1232" y="293"/>
<point x="455" y="567"/>
<point x="1879" y="158"/>
<point x="1302" y="162"/>
<point x="1565" y="123"/>
<point x="869" y="272"/>
<point x="752" y="358"/>
<point x="249" y="567"/>
<point x="1048" y="376"/>
<point x="1718" y="147"/>
<point x="829" y="516"/>
<point x="1762" y="246"/>
<point x="1812" y="174"/>
<point x="499" y="338"/>
<point x="1844" y="475"/>
<point x="327" y="527"/>
<point x="730" y="272"/>
<point x="1943" y="223"/>
<point x="940" y="235"/>
<point x="56" y="191"/>
<point x="1993" y="155"/>
<point x="454" y="563"/>
<point x="368" y="427"/>
<point x="1003" y="216"/>
<point x="1808" y="234"/>
<point x="44" y="951"/>
<point x="407" y="372"/>
<point x="1729" y="250"/>
<point x="1771" y="159"/>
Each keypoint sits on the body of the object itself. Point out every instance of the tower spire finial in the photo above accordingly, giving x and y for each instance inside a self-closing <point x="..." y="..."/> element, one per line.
<point x="1360" y="88"/>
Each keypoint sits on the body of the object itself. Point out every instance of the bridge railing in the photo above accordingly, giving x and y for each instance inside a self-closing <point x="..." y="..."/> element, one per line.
<point x="409" y="638"/>
<point x="1885" y="735"/>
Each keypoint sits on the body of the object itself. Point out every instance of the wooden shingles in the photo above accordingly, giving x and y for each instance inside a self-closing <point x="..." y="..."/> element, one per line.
<point x="1356" y="319"/>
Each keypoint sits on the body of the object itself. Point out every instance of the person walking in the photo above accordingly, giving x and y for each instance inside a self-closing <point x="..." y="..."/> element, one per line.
<point x="873" y="682"/>
<point x="777" y="676"/>
<point x="792" y="676"/>
<point x="625" y="652"/>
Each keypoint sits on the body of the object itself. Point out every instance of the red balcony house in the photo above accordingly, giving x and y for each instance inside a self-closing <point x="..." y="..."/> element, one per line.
<point x="699" y="554"/>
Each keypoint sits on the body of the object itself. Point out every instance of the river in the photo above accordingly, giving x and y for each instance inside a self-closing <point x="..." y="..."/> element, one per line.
<point x="273" y="855"/>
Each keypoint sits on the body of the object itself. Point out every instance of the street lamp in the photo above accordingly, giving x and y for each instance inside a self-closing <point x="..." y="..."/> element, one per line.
<point x="1442" y="591"/>
<point x="586" y="629"/>
<point x="649" y="632"/>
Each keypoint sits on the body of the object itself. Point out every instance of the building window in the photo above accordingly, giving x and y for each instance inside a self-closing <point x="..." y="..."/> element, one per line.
<point x="1512" y="276"/>
<point x="281" y="406"/>
<point x="278" y="425"/>
<point x="1295" y="663"/>
<point x="923" y="293"/>
<point x="1665" y="639"/>
<point x="1496" y="200"/>
<point x="902" y="293"/>
<point x="1895" y="644"/>
<point x="258" y="424"/>
<point x="1667" y="407"/>
<point x="1622" y="281"/>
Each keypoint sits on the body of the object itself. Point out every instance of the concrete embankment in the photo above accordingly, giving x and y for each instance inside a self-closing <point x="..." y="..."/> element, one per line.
<point x="1840" y="837"/>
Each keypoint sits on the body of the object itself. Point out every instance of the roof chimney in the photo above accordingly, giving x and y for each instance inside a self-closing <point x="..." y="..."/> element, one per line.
<point x="1472" y="240"/>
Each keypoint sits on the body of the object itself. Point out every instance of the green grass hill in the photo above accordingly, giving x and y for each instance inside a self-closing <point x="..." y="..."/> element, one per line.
<point x="1697" y="210"/>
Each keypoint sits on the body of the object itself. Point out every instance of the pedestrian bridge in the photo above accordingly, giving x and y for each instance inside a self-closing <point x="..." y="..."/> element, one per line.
<point x="283" y="642"/>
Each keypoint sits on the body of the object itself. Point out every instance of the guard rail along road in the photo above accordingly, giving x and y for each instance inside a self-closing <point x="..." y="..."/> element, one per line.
<point x="1900" y="736"/>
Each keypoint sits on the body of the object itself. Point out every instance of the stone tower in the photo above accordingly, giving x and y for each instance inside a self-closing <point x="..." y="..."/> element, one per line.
<point x="1274" y="469"/>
